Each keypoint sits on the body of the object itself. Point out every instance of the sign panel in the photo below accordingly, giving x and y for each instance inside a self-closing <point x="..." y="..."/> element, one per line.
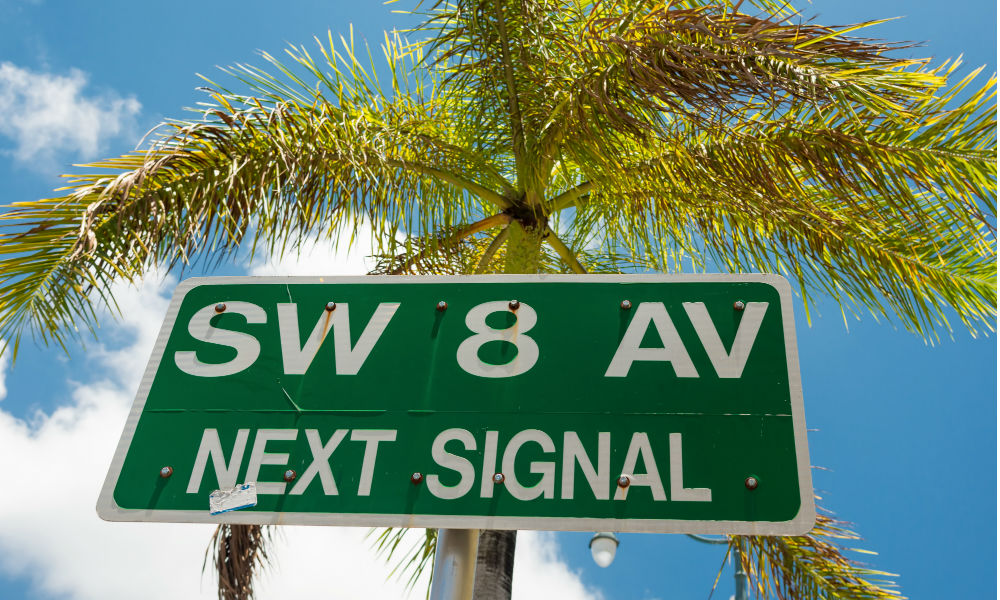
<point x="617" y="403"/>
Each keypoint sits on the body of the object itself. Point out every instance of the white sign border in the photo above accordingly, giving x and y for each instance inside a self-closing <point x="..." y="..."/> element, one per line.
<point x="109" y="510"/>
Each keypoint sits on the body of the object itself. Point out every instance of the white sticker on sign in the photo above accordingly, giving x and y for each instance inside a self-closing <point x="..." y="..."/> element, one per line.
<point x="243" y="495"/>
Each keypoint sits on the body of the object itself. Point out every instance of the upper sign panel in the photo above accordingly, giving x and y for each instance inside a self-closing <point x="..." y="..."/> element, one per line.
<point x="617" y="403"/>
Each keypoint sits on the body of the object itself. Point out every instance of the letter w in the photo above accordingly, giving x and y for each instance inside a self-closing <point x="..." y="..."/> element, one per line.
<point x="297" y="356"/>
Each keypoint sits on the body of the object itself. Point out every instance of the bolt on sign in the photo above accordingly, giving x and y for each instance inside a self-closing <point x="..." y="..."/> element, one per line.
<point x="652" y="403"/>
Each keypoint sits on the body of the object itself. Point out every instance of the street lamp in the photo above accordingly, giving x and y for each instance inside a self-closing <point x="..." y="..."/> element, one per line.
<point x="603" y="546"/>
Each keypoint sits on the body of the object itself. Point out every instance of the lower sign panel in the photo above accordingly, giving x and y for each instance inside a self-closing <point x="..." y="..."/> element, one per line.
<point x="677" y="411"/>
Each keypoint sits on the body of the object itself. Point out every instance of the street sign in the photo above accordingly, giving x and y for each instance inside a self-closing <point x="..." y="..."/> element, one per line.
<point x="651" y="403"/>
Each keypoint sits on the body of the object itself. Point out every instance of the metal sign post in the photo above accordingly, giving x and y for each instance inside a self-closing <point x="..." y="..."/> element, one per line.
<point x="649" y="403"/>
<point x="455" y="564"/>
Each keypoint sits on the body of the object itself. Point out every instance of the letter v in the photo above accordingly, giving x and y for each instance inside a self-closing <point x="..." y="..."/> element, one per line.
<point x="728" y="365"/>
<point x="349" y="360"/>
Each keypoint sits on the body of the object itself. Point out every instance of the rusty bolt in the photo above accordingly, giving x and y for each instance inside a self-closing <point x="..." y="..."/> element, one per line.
<point x="739" y="305"/>
<point x="290" y="475"/>
<point x="331" y="306"/>
<point x="751" y="482"/>
<point x="514" y="305"/>
<point x="416" y="478"/>
<point x="166" y="472"/>
<point x="626" y="305"/>
<point x="498" y="478"/>
<point x="442" y="306"/>
<point x="220" y="307"/>
<point x="623" y="481"/>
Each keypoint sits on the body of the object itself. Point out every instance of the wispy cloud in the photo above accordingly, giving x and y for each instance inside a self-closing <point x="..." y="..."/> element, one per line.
<point x="47" y="114"/>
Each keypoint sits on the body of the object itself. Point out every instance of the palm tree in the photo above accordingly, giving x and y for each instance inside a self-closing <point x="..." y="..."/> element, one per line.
<point x="558" y="135"/>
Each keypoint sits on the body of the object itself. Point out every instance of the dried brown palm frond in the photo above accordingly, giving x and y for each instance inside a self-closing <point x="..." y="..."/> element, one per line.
<point x="239" y="554"/>
<point x="703" y="61"/>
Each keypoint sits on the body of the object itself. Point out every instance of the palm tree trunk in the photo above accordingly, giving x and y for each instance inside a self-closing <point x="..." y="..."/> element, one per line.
<point x="494" y="565"/>
<point x="495" y="558"/>
<point x="524" y="248"/>
<point x="239" y="553"/>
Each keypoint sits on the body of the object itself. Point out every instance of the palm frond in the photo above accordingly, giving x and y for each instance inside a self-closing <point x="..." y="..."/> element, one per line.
<point x="415" y="560"/>
<point x="265" y="171"/>
<point x="897" y="219"/>
<point x="813" y="566"/>
<point x="648" y="63"/>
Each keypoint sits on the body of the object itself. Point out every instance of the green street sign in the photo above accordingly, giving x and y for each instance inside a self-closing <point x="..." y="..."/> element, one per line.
<point x="652" y="403"/>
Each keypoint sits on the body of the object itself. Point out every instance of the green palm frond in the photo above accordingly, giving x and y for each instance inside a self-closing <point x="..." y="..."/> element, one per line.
<point x="269" y="170"/>
<point x="813" y="566"/>
<point x="414" y="561"/>
<point x="892" y="219"/>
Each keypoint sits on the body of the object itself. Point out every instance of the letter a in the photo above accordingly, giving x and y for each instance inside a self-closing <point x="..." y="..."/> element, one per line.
<point x="673" y="350"/>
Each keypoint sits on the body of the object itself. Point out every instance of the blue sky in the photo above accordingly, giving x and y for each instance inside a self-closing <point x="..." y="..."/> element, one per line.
<point x="904" y="433"/>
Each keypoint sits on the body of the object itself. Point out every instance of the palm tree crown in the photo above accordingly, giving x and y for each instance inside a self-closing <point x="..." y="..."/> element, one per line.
<point x="681" y="136"/>
<point x="545" y="135"/>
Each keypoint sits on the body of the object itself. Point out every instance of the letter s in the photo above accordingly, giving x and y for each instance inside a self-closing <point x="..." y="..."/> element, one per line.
<point x="247" y="347"/>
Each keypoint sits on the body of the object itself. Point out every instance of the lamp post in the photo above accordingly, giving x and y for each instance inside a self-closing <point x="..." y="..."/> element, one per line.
<point x="604" y="544"/>
<point x="741" y="580"/>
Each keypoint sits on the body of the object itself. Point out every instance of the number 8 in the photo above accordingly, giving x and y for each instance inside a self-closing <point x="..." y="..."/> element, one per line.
<point x="527" y="349"/>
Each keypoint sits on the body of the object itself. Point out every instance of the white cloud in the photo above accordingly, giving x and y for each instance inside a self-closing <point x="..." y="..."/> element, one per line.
<point x="49" y="531"/>
<point x="142" y="310"/>
<point x="55" y="464"/>
<point x="541" y="574"/>
<point x="333" y="562"/>
<point x="322" y="257"/>
<point x="46" y="113"/>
